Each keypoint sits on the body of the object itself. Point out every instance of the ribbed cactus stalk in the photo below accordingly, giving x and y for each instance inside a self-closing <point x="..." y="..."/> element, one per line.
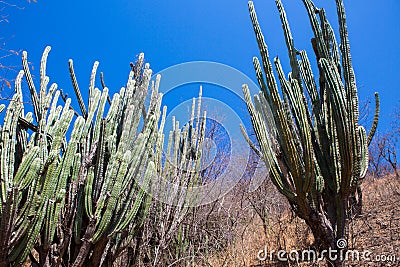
<point x="178" y="174"/>
<point x="309" y="135"/>
<point x="73" y="186"/>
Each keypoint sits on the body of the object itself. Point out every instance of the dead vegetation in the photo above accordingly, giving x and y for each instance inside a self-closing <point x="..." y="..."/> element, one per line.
<point x="377" y="230"/>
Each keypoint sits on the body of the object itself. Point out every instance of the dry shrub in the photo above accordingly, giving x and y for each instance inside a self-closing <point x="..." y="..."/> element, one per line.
<point x="278" y="229"/>
<point x="377" y="229"/>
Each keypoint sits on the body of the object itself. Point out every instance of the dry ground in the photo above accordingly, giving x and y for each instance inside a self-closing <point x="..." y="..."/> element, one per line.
<point x="376" y="230"/>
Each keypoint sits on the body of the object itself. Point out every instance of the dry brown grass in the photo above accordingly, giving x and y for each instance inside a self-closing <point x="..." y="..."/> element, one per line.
<point x="285" y="234"/>
<point x="376" y="230"/>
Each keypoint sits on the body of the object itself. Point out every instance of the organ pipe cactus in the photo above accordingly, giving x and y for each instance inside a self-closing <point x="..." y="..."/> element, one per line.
<point x="178" y="178"/>
<point x="72" y="185"/>
<point x="309" y="136"/>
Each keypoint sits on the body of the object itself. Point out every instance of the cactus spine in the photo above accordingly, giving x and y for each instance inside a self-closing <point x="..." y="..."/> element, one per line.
<point x="322" y="150"/>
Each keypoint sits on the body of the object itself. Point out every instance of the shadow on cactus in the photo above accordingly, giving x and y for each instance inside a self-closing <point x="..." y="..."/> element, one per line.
<point x="79" y="199"/>
<point x="316" y="151"/>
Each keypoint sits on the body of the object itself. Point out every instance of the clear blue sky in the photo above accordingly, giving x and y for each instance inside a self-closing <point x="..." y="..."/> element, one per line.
<point x="177" y="31"/>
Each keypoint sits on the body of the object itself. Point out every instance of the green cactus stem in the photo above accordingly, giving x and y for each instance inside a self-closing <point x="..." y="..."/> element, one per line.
<point x="322" y="151"/>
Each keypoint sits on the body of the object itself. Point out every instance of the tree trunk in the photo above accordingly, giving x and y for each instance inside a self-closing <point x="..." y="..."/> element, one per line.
<point x="98" y="251"/>
<point x="325" y="228"/>
<point x="86" y="244"/>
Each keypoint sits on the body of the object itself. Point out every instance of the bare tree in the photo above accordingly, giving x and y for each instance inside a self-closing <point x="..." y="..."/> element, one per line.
<point x="383" y="150"/>
<point x="389" y="148"/>
<point x="7" y="66"/>
<point x="377" y="164"/>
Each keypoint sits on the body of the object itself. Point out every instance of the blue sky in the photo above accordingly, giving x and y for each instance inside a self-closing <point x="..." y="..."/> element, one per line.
<point x="177" y="31"/>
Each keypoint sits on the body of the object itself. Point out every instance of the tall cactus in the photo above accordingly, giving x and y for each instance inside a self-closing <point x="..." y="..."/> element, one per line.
<point x="178" y="179"/>
<point x="75" y="201"/>
<point x="84" y="201"/>
<point x="322" y="152"/>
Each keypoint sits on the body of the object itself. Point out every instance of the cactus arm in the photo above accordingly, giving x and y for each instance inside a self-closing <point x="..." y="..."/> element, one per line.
<point x="52" y="183"/>
<point x="329" y="39"/>
<point x="88" y="193"/>
<point x="94" y="100"/>
<point x="21" y="178"/>
<point x="44" y="80"/>
<point x="99" y="115"/>
<point x="281" y="120"/>
<point x="111" y="174"/>
<point x="76" y="88"/>
<point x="31" y="85"/>
<point x="50" y="94"/>
<point x="92" y="79"/>
<point x="105" y="220"/>
<point x="54" y="113"/>
<point x="21" y="251"/>
<point x="23" y="222"/>
<point x="99" y="167"/>
<point x="62" y="174"/>
<point x="376" y="120"/>
<point x="350" y="84"/>
<point x="160" y="141"/>
<point x="70" y="206"/>
<point x="364" y="154"/>
<point x="289" y="42"/>
<point x="348" y="71"/>
<point x="199" y="111"/>
<point x="138" y="149"/>
<point x="277" y="176"/>
<point x="271" y="82"/>
<point x="51" y="176"/>
<point x="123" y="222"/>
<point x="107" y="128"/>
<point x="307" y="171"/>
<point x="302" y="119"/>
<point x="320" y="113"/>
<point x="260" y="79"/>
<point x="309" y="81"/>
<point x="291" y="96"/>
<point x="7" y="218"/>
<point x="321" y="47"/>
<point x="103" y="84"/>
<point x="8" y="135"/>
<point x="251" y="144"/>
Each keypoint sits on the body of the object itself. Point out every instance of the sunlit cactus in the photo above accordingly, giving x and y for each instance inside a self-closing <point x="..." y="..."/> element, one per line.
<point x="321" y="155"/>
<point x="179" y="167"/>
<point x="75" y="197"/>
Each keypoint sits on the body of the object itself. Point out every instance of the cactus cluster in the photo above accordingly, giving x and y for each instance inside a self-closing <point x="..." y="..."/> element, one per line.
<point x="309" y="136"/>
<point x="176" y="185"/>
<point x="74" y="185"/>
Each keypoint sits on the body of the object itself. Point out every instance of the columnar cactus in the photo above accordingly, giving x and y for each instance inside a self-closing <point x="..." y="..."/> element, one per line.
<point x="75" y="201"/>
<point x="316" y="151"/>
<point x="178" y="174"/>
